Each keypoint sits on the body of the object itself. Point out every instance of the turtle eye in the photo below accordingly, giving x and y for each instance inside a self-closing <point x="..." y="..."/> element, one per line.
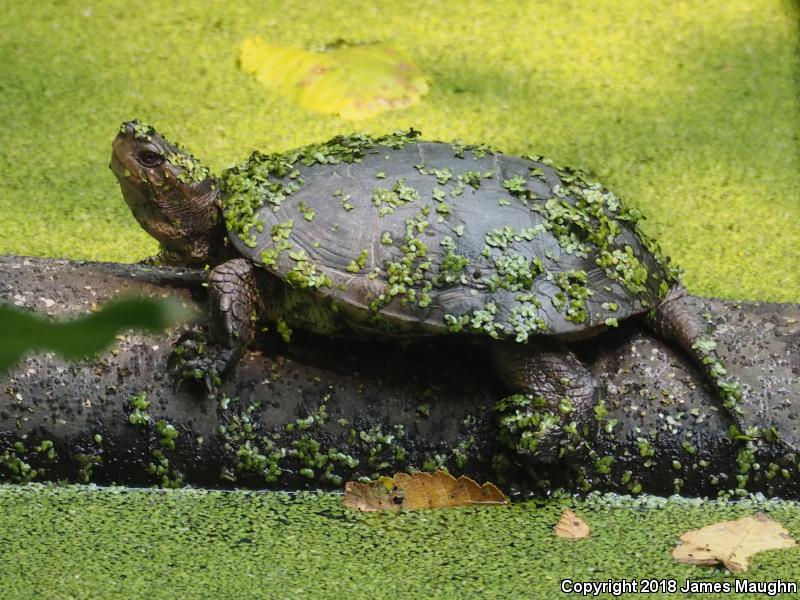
<point x="149" y="159"/>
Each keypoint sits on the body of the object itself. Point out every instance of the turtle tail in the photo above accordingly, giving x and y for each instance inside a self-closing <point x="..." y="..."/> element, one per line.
<point x="677" y="320"/>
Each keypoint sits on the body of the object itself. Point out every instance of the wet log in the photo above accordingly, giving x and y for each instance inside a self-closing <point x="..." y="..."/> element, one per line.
<point x="317" y="412"/>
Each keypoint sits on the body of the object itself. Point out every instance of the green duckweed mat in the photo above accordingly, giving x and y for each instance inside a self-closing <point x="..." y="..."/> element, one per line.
<point x="688" y="110"/>
<point x="76" y="542"/>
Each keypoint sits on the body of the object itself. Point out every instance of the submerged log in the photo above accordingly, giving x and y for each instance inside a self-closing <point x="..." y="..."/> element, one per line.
<point x="317" y="412"/>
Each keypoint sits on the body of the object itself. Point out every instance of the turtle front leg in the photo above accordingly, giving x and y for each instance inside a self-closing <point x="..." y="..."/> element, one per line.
<point x="558" y="396"/>
<point x="235" y="301"/>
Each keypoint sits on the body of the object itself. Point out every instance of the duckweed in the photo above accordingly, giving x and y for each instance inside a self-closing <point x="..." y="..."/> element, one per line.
<point x="308" y="545"/>
<point x="192" y="170"/>
<point x="139" y="414"/>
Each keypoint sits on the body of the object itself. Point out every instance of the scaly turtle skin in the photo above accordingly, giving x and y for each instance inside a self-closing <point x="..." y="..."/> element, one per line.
<point x="396" y="237"/>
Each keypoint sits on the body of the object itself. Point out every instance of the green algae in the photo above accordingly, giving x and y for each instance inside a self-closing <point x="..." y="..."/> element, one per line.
<point x="120" y="543"/>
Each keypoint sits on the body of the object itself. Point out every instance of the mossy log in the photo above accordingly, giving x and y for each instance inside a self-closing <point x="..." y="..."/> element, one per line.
<point x="317" y="412"/>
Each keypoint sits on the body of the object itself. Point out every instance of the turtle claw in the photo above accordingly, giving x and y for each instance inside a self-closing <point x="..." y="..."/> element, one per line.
<point x="149" y="261"/>
<point x="546" y="448"/>
<point x="190" y="346"/>
<point x="205" y="369"/>
<point x="549" y="448"/>
<point x="194" y="360"/>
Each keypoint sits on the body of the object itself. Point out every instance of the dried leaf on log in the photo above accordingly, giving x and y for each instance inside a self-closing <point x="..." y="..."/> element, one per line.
<point x="420" y="490"/>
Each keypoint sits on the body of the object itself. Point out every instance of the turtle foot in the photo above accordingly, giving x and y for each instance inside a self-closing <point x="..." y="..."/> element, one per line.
<point x="205" y="369"/>
<point x="535" y="431"/>
<point x="195" y="360"/>
<point x="548" y="448"/>
<point x="555" y="407"/>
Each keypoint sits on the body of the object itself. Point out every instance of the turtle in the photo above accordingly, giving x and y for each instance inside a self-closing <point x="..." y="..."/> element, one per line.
<point x="395" y="237"/>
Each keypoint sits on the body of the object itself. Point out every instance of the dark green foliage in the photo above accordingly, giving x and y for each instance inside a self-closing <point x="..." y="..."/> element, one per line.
<point x="22" y="331"/>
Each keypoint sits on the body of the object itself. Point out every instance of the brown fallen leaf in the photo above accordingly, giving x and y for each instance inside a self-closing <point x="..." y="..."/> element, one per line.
<point x="420" y="490"/>
<point x="571" y="527"/>
<point x="732" y="542"/>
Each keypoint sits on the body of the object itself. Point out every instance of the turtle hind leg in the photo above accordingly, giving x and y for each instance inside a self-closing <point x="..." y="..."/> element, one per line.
<point x="235" y="300"/>
<point x="675" y="319"/>
<point x="559" y="397"/>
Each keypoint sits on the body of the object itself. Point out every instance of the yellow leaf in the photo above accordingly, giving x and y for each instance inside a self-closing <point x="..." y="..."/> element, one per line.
<point x="732" y="542"/>
<point x="420" y="490"/>
<point x="571" y="527"/>
<point x="357" y="82"/>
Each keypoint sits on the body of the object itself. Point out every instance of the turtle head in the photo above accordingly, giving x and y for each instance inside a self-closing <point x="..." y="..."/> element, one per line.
<point x="171" y="194"/>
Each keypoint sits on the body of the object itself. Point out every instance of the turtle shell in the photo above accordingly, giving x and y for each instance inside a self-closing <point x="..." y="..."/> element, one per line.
<point x="413" y="237"/>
